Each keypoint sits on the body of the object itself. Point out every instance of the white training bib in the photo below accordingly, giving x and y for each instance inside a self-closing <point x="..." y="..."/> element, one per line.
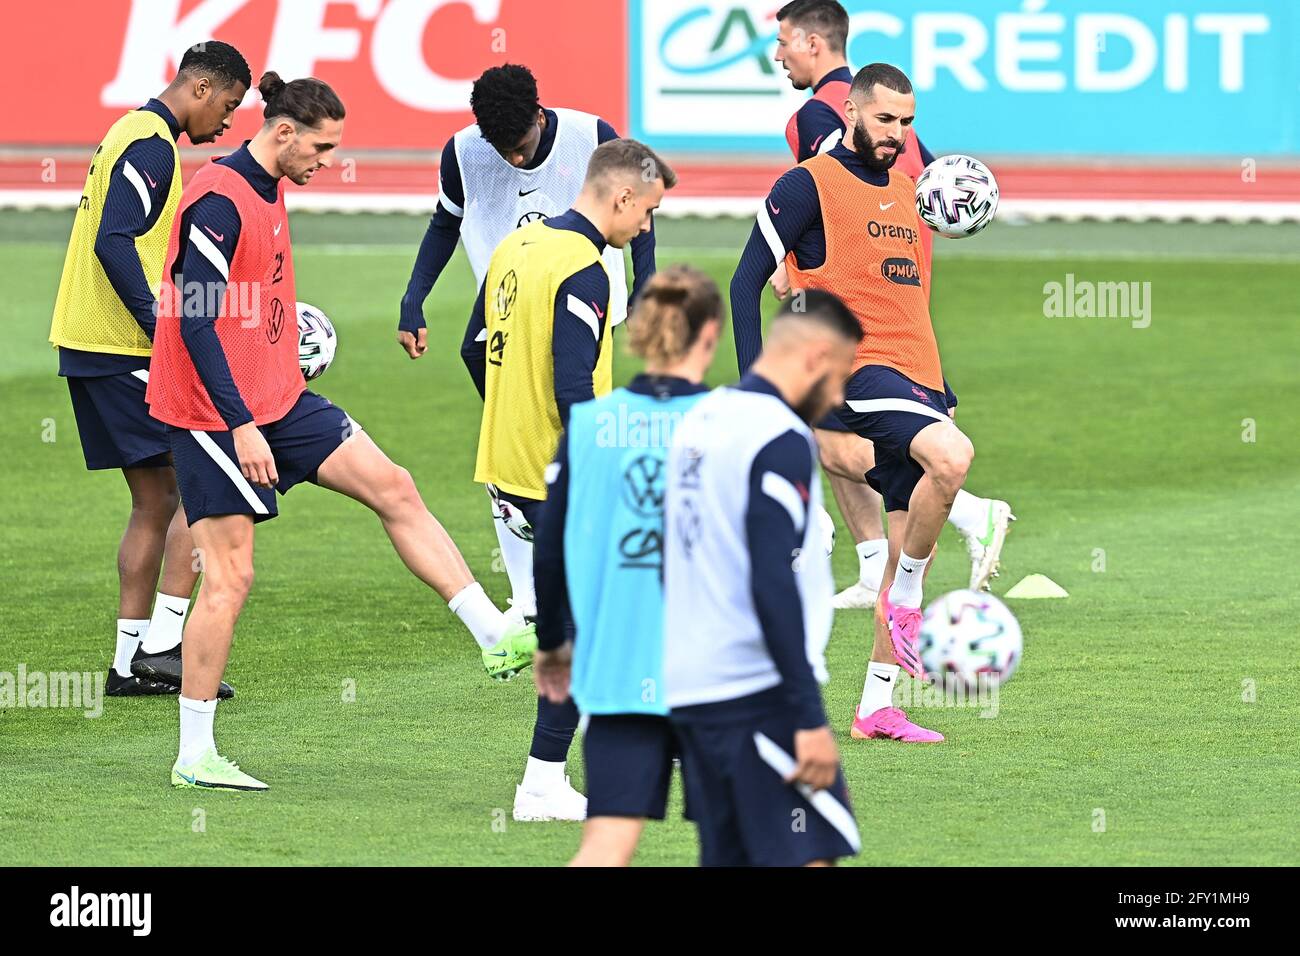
<point x="499" y="198"/>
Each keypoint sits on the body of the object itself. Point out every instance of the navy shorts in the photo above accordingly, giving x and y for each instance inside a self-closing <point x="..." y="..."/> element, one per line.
<point x="207" y="471"/>
<point x="885" y="406"/>
<point x="114" y="424"/>
<point x="746" y="813"/>
<point x="629" y="760"/>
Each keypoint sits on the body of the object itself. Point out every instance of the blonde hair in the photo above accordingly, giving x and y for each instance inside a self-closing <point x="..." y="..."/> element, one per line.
<point x="670" y="310"/>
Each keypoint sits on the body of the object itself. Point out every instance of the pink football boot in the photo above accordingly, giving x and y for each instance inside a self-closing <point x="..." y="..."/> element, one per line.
<point x="904" y="634"/>
<point x="890" y="723"/>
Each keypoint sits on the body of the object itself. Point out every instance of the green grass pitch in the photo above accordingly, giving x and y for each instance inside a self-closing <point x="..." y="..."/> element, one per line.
<point x="1153" y="720"/>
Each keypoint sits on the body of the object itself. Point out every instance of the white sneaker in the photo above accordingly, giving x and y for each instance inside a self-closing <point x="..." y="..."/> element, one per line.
<point x="562" y="803"/>
<point x="855" y="597"/>
<point x="986" y="550"/>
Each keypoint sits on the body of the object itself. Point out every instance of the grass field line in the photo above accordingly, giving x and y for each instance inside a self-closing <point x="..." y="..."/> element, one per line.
<point x="691" y="252"/>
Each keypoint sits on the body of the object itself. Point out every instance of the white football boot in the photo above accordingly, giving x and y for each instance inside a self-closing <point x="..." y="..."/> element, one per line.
<point x="986" y="550"/>
<point x="856" y="597"/>
<point x="560" y="803"/>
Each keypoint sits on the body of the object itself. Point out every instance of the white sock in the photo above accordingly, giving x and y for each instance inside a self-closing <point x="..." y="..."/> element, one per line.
<point x="517" y="555"/>
<point x="477" y="612"/>
<point x="878" y="691"/>
<point x="872" y="557"/>
<point x="129" y="635"/>
<point x="969" y="514"/>
<point x="906" y="589"/>
<point x="196" y="729"/>
<point x="543" y="776"/>
<point x="167" y="623"/>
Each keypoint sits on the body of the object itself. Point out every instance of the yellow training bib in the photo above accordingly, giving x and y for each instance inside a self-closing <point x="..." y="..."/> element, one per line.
<point x="88" y="315"/>
<point x="521" y="424"/>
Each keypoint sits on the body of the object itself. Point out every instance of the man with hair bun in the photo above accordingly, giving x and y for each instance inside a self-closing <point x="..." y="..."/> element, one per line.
<point x="600" y="552"/>
<point x="544" y="313"/>
<point x="241" y="422"/>
<point x="103" y="327"/>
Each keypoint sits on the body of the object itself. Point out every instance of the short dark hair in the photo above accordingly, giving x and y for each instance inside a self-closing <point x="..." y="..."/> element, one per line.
<point x="826" y="309"/>
<point x="505" y="104"/>
<point x="219" y="62"/>
<point x="823" y="17"/>
<point x="884" y="74"/>
<point x="632" y="158"/>
<point x="307" y="101"/>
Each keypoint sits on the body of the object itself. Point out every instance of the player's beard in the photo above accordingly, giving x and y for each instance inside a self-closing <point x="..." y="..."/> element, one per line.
<point x="865" y="147"/>
<point x="294" y="166"/>
<point x="814" y="406"/>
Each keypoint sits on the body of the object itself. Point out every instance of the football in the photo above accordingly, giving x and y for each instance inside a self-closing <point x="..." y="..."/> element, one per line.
<point x="317" y="341"/>
<point x="966" y="634"/>
<point x="956" y="196"/>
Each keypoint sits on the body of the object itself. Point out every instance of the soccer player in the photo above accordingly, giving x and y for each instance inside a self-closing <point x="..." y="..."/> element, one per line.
<point x="103" y="328"/>
<point x="545" y="310"/>
<point x="600" y="552"/>
<point x="811" y="45"/>
<point x="747" y="602"/>
<point x="852" y="203"/>
<point x="241" y="422"/>
<point x="519" y="162"/>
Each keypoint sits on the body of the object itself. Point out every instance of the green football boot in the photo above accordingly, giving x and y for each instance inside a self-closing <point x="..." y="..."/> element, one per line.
<point x="512" y="653"/>
<point x="214" y="772"/>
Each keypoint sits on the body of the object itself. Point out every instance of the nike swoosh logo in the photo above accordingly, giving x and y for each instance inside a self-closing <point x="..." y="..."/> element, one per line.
<point x="885" y="205"/>
<point x="817" y="142"/>
<point x="276" y="230"/>
<point x="131" y="633"/>
<point x="907" y="570"/>
<point x="775" y="211"/>
<point x="176" y="612"/>
<point x="498" y="653"/>
<point x="880" y="677"/>
<point x="152" y="184"/>
<point x="220" y="237"/>
<point x="600" y="313"/>
<point x="529" y="192"/>
<point x="187" y="777"/>
<point x="865" y="557"/>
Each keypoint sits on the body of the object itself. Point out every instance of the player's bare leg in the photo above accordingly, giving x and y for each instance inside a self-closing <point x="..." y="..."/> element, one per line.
<point x="876" y="716"/>
<point x="608" y="841"/>
<point x="945" y="454"/>
<point x="159" y="657"/>
<point x="225" y="544"/>
<point x="154" y="503"/>
<point x="180" y="566"/>
<point x="861" y="506"/>
<point x="847" y="458"/>
<point x="359" y="469"/>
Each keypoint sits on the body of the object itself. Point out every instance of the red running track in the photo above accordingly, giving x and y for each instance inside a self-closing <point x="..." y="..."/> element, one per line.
<point x="739" y="180"/>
